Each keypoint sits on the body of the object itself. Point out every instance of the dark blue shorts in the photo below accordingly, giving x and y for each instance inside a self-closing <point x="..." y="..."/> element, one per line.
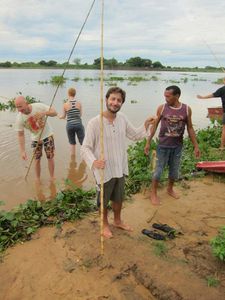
<point x="168" y="157"/>
<point x="73" y="131"/>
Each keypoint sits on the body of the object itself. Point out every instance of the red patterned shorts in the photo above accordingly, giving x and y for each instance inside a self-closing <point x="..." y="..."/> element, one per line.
<point x="49" y="147"/>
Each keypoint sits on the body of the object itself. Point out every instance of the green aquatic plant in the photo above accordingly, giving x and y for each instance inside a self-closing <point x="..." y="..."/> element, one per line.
<point x="18" y="224"/>
<point x="57" y="80"/>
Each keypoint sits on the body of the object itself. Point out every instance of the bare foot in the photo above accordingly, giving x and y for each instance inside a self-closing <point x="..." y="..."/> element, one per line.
<point x="155" y="200"/>
<point x="173" y="194"/>
<point x="107" y="233"/>
<point x="123" y="226"/>
<point x="52" y="179"/>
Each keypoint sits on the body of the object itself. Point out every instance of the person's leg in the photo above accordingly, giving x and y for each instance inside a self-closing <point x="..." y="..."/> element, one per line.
<point x="37" y="148"/>
<point x="38" y="170"/>
<point x="153" y="196"/>
<point x="174" y="165"/>
<point x="72" y="149"/>
<point x="117" y="207"/>
<point x="70" y="130"/>
<point x="80" y="133"/>
<point x="117" y="197"/>
<point x="222" y="145"/>
<point x="108" y="187"/>
<point x="49" y="150"/>
<point x="51" y="168"/>
<point x="161" y="162"/>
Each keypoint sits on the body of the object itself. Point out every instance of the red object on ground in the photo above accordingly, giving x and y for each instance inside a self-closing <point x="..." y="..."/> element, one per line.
<point x="212" y="166"/>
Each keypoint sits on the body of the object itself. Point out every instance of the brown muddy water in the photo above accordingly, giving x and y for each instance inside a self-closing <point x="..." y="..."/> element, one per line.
<point x="142" y="100"/>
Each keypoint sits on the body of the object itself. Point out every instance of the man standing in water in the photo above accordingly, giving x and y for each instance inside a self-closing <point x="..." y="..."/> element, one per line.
<point x="32" y="117"/>
<point x="116" y="128"/>
<point x="219" y="93"/>
<point x="174" y="116"/>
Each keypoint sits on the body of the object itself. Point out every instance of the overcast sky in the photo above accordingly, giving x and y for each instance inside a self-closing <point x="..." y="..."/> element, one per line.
<point x="174" y="32"/>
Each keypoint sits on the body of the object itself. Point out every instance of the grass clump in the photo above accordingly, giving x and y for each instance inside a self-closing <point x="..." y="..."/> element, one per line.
<point x="218" y="245"/>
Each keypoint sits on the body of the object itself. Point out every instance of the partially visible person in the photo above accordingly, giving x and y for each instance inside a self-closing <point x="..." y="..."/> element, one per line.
<point x="72" y="111"/>
<point x="116" y="128"/>
<point x="174" y="116"/>
<point x="32" y="117"/>
<point x="221" y="94"/>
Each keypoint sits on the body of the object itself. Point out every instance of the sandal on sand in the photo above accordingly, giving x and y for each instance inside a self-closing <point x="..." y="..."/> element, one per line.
<point x="164" y="227"/>
<point x="153" y="235"/>
<point x="171" y="232"/>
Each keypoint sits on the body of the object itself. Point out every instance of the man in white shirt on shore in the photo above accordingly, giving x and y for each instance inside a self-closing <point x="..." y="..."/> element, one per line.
<point x="116" y="128"/>
<point x="32" y="117"/>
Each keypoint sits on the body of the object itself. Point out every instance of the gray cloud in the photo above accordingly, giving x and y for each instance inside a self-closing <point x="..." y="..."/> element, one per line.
<point x="178" y="32"/>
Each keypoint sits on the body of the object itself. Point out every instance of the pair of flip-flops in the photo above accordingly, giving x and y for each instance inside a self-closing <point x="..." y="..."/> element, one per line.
<point x="170" y="232"/>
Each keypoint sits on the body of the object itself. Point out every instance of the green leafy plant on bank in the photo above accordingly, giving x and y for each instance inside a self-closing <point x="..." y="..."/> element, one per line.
<point x="20" y="223"/>
<point x="140" y="166"/>
<point x="218" y="245"/>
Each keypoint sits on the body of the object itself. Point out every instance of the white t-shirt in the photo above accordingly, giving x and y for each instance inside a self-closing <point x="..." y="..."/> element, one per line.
<point x="34" y="123"/>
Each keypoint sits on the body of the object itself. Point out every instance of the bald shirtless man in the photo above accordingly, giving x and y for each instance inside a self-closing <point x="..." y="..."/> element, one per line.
<point x="32" y="117"/>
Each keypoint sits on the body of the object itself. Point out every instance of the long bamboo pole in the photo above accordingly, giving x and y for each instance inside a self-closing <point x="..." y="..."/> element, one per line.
<point x="101" y="133"/>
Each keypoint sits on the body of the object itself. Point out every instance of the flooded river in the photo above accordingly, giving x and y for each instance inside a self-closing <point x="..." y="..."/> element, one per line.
<point x="142" y="100"/>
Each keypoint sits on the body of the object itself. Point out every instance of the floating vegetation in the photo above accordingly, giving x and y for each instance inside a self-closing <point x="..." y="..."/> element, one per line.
<point x="10" y="104"/>
<point x="115" y="78"/>
<point x="174" y="81"/>
<point x="137" y="78"/>
<point x="219" y="81"/>
<point x="185" y="80"/>
<point x="43" y="81"/>
<point x="57" y="80"/>
<point x="110" y="84"/>
<point x="75" y="79"/>
<point x="18" y="224"/>
<point x="154" y="78"/>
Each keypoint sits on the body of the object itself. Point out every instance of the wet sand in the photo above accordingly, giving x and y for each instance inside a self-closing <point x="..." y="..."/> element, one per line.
<point x="67" y="264"/>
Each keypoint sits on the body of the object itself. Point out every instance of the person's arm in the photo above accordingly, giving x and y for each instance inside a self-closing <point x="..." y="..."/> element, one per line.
<point x="88" y="146"/>
<point x="191" y="134"/>
<point x="153" y="130"/>
<point x="79" y="106"/>
<point x="51" y="112"/>
<point x="46" y="111"/>
<point x="21" y="139"/>
<point x="205" y="97"/>
<point x="63" y="115"/>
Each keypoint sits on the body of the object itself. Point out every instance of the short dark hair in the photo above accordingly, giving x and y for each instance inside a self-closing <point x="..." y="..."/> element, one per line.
<point x="114" y="90"/>
<point x="176" y="90"/>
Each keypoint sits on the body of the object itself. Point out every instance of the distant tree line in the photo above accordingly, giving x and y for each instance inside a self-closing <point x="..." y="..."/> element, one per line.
<point x="112" y="63"/>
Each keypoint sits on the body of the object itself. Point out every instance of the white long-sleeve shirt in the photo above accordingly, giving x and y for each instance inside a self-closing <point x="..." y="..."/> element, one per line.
<point x="115" y="146"/>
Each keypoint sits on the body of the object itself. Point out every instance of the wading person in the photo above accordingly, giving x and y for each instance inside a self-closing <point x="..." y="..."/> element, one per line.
<point x="173" y="116"/>
<point x="221" y="94"/>
<point x="116" y="128"/>
<point x="72" y="111"/>
<point x="32" y="117"/>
